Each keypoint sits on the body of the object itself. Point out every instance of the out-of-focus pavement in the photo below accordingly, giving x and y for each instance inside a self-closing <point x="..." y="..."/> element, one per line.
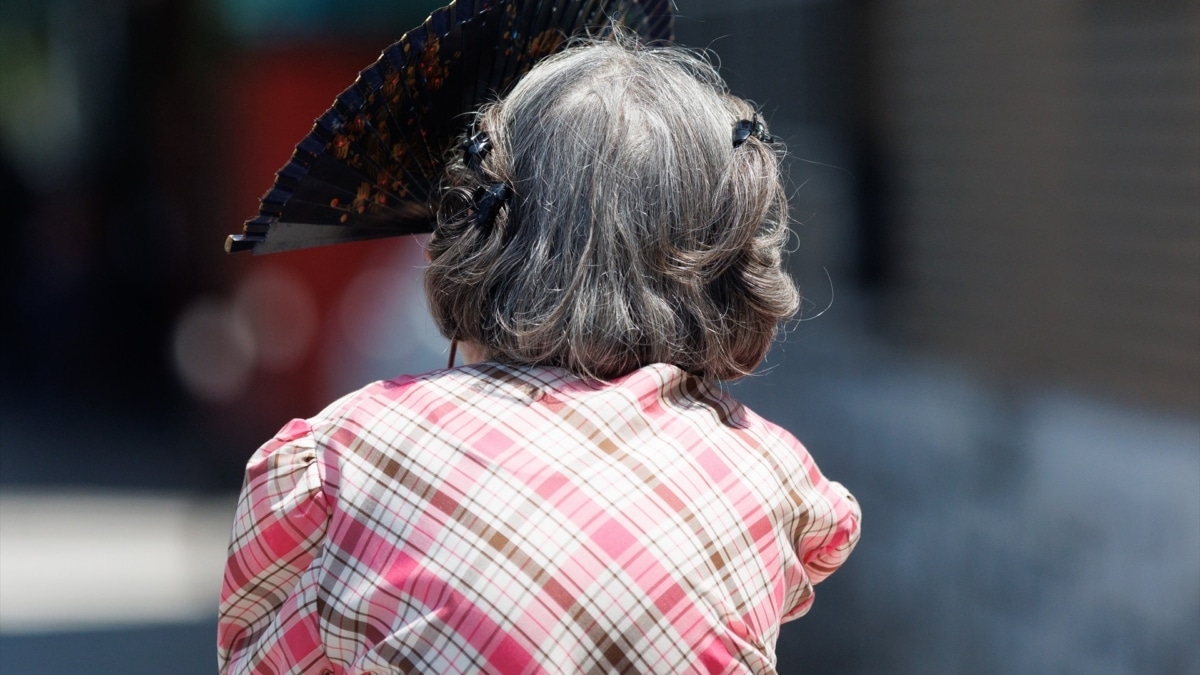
<point x="113" y="526"/>
<point x="1004" y="532"/>
<point x="109" y="582"/>
<point x="84" y="560"/>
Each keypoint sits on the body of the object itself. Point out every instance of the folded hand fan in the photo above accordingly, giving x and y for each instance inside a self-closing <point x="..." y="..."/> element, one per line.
<point x="370" y="165"/>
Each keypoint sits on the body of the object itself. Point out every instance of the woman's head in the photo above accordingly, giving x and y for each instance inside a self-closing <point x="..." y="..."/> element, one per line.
<point x="635" y="232"/>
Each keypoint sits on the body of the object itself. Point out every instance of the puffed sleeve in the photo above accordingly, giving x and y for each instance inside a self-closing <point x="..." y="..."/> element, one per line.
<point x="828" y="527"/>
<point x="838" y="534"/>
<point x="266" y="617"/>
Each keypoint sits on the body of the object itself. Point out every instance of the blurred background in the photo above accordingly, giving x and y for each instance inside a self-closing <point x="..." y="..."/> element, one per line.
<point x="997" y="231"/>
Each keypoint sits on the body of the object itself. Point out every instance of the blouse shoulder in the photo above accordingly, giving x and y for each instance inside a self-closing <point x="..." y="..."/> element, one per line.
<point x="278" y="531"/>
<point x="286" y="467"/>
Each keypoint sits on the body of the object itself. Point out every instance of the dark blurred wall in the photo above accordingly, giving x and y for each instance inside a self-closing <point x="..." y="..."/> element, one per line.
<point x="1046" y="163"/>
<point x="1017" y="184"/>
<point x="100" y="253"/>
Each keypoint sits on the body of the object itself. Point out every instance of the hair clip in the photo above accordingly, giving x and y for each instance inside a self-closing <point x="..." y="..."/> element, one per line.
<point x="475" y="149"/>
<point x="744" y="129"/>
<point x="488" y="201"/>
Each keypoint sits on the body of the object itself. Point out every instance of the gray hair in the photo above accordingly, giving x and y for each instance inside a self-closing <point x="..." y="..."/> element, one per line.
<point x="636" y="234"/>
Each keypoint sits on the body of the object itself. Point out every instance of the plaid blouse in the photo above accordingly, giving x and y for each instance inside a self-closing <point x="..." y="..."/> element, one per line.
<point x="503" y="519"/>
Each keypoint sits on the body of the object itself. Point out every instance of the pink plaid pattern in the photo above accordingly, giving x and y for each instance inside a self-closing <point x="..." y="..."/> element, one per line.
<point x="499" y="519"/>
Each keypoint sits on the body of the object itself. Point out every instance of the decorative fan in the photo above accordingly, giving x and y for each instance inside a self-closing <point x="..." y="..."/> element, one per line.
<point x="371" y="162"/>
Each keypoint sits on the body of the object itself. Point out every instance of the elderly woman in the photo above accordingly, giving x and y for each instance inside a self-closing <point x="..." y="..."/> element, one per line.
<point x="582" y="496"/>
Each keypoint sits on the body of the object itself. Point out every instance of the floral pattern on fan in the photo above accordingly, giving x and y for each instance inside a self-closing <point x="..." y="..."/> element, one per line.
<point x="371" y="163"/>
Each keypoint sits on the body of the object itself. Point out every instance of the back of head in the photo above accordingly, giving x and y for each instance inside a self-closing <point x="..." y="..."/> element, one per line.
<point x="636" y="232"/>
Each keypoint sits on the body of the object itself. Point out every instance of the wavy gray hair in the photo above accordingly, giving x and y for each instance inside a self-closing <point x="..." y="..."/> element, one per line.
<point x="636" y="234"/>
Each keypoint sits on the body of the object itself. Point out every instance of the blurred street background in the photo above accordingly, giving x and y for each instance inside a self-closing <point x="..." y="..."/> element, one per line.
<point x="997" y="232"/>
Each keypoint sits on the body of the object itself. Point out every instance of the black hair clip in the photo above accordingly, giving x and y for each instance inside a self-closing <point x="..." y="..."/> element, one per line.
<point x="475" y="149"/>
<point x="744" y="129"/>
<point x="489" y="200"/>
